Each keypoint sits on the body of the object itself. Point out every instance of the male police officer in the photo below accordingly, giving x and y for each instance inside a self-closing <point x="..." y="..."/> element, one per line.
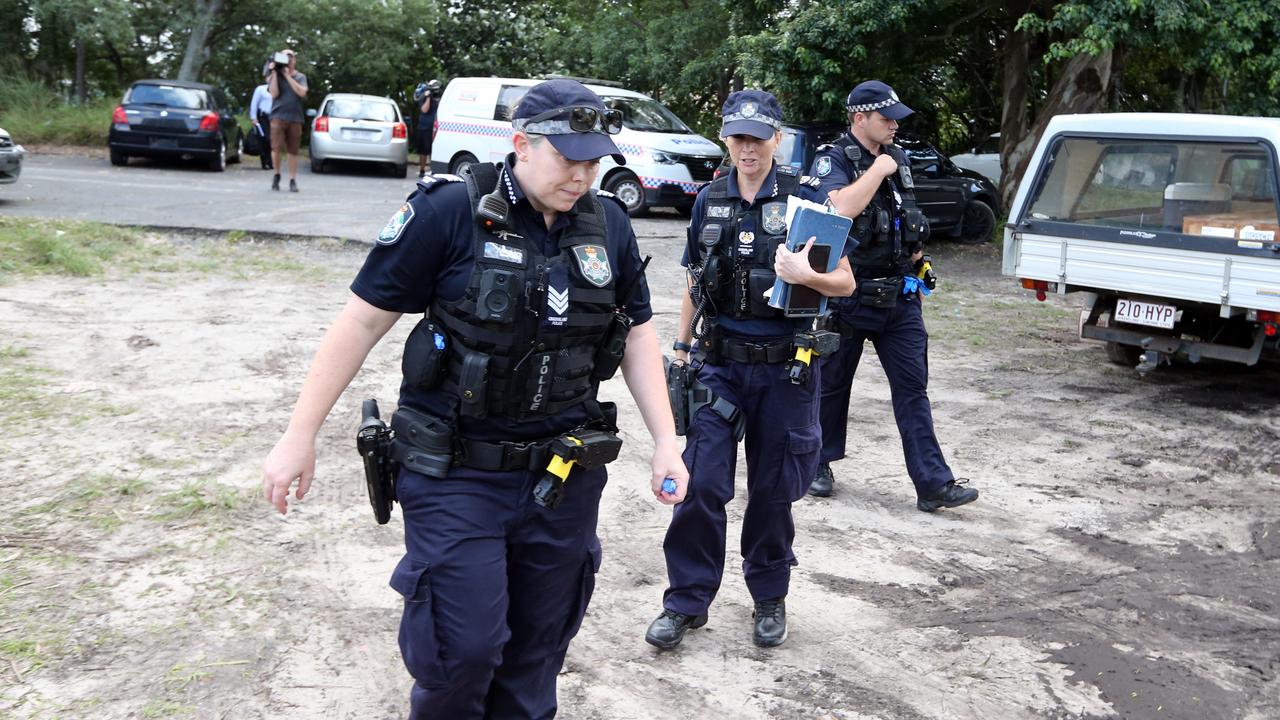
<point x="522" y="269"/>
<point x="868" y="178"/>
<point x="735" y="247"/>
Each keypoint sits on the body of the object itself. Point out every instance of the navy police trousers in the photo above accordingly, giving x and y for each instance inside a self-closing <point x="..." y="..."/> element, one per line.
<point x="902" y="345"/>
<point x="782" y="447"/>
<point x="494" y="589"/>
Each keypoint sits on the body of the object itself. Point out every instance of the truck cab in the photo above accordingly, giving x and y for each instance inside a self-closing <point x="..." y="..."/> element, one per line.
<point x="1166" y="224"/>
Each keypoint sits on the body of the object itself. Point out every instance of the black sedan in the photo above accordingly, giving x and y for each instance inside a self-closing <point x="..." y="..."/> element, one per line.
<point x="958" y="202"/>
<point x="172" y="118"/>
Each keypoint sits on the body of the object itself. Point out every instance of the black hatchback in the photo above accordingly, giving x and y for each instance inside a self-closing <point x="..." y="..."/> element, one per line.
<point x="172" y="118"/>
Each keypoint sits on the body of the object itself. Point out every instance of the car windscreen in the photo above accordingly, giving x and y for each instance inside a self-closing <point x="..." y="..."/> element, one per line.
<point x="791" y="149"/>
<point x="361" y="110"/>
<point x="646" y="115"/>
<point x="1185" y="186"/>
<point x="169" y="96"/>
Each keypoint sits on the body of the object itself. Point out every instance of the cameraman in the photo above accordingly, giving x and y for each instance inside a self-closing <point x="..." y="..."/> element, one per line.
<point x="287" y="86"/>
<point x="426" y="96"/>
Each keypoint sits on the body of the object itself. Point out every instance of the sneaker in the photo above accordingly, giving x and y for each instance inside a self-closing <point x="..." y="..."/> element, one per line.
<point x="823" y="481"/>
<point x="668" y="629"/>
<point x="953" y="494"/>
<point x="275" y="181"/>
<point x="771" y="622"/>
<point x="293" y="185"/>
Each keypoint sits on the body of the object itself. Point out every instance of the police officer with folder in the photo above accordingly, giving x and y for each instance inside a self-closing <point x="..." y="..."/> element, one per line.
<point x="750" y="352"/>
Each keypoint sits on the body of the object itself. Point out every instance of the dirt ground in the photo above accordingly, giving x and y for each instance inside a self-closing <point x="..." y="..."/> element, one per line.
<point x="1121" y="562"/>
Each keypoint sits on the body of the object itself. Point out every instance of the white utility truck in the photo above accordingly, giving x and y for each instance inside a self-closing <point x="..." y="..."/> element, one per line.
<point x="1168" y="225"/>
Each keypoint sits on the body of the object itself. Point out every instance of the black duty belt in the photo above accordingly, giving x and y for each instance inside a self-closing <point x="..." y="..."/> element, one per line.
<point x="502" y="456"/>
<point x="743" y="351"/>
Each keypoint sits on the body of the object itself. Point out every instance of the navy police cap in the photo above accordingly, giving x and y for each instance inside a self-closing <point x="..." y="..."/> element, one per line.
<point x="751" y="112"/>
<point x="874" y="95"/>
<point x="564" y="93"/>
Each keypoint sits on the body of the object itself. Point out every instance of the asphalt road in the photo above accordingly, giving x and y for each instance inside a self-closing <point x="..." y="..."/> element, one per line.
<point x="349" y="201"/>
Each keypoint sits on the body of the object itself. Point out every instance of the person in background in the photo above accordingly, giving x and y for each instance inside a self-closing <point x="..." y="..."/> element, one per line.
<point x="426" y="96"/>
<point x="288" y="88"/>
<point x="260" y="116"/>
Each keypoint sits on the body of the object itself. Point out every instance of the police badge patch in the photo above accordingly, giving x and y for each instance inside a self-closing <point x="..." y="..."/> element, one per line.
<point x="774" y="218"/>
<point x="594" y="263"/>
<point x="395" y="226"/>
<point x="824" y="166"/>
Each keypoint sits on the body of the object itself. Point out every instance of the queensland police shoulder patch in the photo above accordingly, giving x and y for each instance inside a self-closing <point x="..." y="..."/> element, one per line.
<point x="394" y="228"/>
<point x="594" y="263"/>
<point x="824" y="166"/>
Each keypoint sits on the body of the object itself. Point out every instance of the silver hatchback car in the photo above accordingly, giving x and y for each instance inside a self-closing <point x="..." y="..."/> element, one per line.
<point x="365" y="128"/>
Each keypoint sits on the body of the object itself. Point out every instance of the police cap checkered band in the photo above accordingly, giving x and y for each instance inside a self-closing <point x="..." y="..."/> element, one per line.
<point x="892" y="100"/>
<point x="755" y="117"/>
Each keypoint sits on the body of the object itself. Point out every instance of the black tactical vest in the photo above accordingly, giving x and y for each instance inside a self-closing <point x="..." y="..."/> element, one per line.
<point x="888" y="231"/>
<point x="523" y="337"/>
<point x="736" y="247"/>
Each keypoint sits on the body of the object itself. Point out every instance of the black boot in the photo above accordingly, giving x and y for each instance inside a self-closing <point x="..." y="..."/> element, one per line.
<point x="953" y="494"/>
<point x="275" y="181"/>
<point x="771" y="622"/>
<point x="823" y="481"/>
<point x="668" y="629"/>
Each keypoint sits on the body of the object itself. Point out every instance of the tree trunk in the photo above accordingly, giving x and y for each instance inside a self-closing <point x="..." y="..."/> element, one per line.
<point x="197" y="53"/>
<point x="81" y="92"/>
<point x="1081" y="87"/>
<point x="1015" y="111"/>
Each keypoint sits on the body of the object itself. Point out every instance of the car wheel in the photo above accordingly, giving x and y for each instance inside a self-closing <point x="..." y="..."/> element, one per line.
<point x="461" y="161"/>
<point x="686" y="211"/>
<point x="239" y="148"/>
<point x="317" y="166"/>
<point x="119" y="159"/>
<point x="1126" y="355"/>
<point x="400" y="170"/>
<point x="218" y="162"/>
<point x="978" y="224"/>
<point x="629" y="190"/>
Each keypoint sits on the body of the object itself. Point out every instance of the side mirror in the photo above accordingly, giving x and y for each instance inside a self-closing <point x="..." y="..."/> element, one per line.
<point x="311" y="112"/>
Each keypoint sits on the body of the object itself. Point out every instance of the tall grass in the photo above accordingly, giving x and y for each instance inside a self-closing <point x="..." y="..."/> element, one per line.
<point x="33" y="112"/>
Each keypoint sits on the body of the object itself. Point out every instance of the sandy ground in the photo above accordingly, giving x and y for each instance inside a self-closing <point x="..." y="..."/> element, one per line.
<point x="1121" y="561"/>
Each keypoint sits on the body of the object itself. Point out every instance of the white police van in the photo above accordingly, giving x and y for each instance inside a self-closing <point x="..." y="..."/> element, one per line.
<point x="666" y="161"/>
<point x="1166" y="223"/>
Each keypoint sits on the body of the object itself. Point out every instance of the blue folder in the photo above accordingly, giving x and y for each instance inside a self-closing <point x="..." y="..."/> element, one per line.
<point x="831" y="231"/>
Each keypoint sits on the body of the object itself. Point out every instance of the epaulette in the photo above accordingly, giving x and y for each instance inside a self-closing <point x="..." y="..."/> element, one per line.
<point x="428" y="182"/>
<point x="787" y="170"/>
<point x="827" y="146"/>
<point x="811" y="181"/>
<point x="611" y="196"/>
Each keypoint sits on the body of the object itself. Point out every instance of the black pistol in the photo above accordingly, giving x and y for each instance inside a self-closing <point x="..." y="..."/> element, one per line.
<point x="373" y="441"/>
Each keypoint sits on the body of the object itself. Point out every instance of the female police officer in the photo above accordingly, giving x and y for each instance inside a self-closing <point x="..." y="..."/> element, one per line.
<point x="734" y="250"/>
<point x="521" y="292"/>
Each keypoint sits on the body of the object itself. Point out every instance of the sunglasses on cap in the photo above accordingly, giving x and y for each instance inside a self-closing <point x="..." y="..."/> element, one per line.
<point x="581" y="119"/>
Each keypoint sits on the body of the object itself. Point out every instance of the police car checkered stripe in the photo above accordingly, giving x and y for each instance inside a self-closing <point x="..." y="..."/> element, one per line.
<point x="689" y="188"/>
<point x="628" y="149"/>
<point x="478" y="129"/>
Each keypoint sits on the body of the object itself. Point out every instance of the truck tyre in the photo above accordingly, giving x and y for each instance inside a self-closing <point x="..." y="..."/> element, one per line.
<point x="977" y="224"/>
<point x="629" y="190"/>
<point x="461" y="161"/>
<point x="1126" y="355"/>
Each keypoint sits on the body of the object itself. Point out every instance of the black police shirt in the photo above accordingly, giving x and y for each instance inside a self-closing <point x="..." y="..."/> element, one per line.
<point x="424" y="254"/>
<point x="834" y="170"/>
<point x="755" y="328"/>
